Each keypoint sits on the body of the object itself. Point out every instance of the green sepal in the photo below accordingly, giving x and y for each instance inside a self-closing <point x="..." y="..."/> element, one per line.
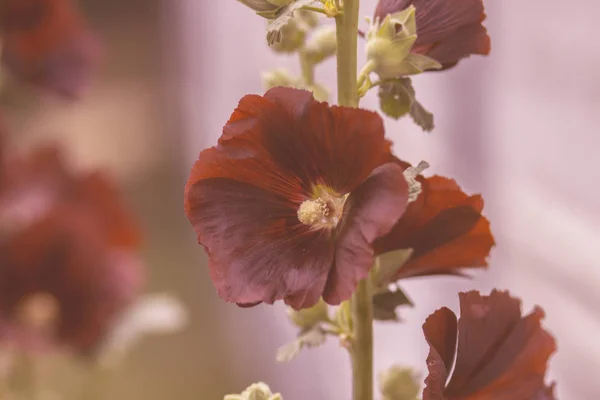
<point x="311" y="338"/>
<point x="389" y="263"/>
<point x="386" y="303"/>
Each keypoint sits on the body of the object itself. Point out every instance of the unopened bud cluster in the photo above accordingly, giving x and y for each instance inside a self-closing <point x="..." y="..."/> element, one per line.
<point x="389" y="44"/>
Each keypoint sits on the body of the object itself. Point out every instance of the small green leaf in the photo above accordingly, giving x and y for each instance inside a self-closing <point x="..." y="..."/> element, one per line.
<point x="422" y="117"/>
<point x="386" y="303"/>
<point x="422" y="63"/>
<point x="308" y="318"/>
<point x="397" y="98"/>
<point x="394" y="101"/>
<point x="343" y="318"/>
<point x="311" y="338"/>
<point x="389" y="264"/>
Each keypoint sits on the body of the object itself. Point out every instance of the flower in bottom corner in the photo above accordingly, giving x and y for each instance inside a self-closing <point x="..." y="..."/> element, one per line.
<point x="497" y="353"/>
<point x="289" y="202"/>
<point x="69" y="263"/>
<point x="47" y="43"/>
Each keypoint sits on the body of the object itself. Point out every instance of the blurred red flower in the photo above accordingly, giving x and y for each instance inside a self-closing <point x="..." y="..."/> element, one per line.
<point x="447" y="30"/>
<point x="445" y="229"/>
<point x="501" y="355"/>
<point x="289" y="202"/>
<point x="69" y="255"/>
<point x="46" y="42"/>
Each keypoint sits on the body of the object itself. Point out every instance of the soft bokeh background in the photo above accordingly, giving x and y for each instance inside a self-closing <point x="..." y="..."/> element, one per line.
<point x="519" y="127"/>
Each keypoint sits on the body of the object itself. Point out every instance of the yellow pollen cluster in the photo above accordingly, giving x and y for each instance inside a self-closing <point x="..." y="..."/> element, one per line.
<point x="312" y="212"/>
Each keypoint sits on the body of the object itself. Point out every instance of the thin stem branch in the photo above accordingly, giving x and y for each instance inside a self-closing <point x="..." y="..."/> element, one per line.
<point x="347" y="41"/>
<point x="307" y="68"/>
<point x="314" y="9"/>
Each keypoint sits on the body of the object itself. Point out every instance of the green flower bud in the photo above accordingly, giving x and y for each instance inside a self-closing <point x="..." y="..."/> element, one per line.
<point x="399" y="383"/>
<point x="267" y="8"/>
<point x="311" y="19"/>
<point x="282" y="77"/>
<point x="343" y="317"/>
<point x="389" y="44"/>
<point x="278" y="77"/>
<point x="293" y="36"/>
<point x="309" y="317"/>
<point x="321" y="45"/>
<point x="256" y="391"/>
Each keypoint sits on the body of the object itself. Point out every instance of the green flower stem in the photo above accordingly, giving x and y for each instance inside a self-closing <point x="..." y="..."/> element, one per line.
<point x="347" y="42"/>
<point x="307" y="68"/>
<point x="361" y="303"/>
<point x="362" y="343"/>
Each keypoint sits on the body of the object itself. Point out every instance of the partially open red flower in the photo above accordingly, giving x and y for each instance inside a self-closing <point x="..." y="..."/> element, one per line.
<point x="289" y="202"/>
<point x="501" y="355"/>
<point x="46" y="42"/>
<point x="69" y="262"/>
<point x="447" y="30"/>
<point x="445" y="229"/>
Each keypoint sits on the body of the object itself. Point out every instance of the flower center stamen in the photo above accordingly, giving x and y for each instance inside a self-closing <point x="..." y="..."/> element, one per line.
<point x="312" y="212"/>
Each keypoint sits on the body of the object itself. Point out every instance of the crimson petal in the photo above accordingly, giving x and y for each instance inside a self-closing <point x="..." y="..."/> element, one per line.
<point x="500" y="354"/>
<point x="371" y="211"/>
<point x="243" y="195"/>
<point x="445" y="229"/>
<point x="259" y="251"/>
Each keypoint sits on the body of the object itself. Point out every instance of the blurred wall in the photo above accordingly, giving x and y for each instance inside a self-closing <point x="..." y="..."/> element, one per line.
<point x="128" y="124"/>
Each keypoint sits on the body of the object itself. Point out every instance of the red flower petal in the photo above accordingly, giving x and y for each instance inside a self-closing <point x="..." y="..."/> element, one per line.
<point x="370" y="212"/>
<point x="442" y="330"/>
<point x="46" y="42"/>
<point x="447" y="30"/>
<point x="445" y="229"/>
<point x="258" y="249"/>
<point x="501" y="355"/>
<point x="289" y="131"/>
<point x="70" y="237"/>
<point x="243" y="195"/>
<point x="65" y="255"/>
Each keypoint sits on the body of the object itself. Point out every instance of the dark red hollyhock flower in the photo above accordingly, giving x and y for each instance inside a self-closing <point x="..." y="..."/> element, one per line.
<point x="46" y="42"/>
<point x="501" y="355"/>
<point x="69" y="265"/>
<point x="447" y="30"/>
<point x="445" y="229"/>
<point x="289" y="202"/>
